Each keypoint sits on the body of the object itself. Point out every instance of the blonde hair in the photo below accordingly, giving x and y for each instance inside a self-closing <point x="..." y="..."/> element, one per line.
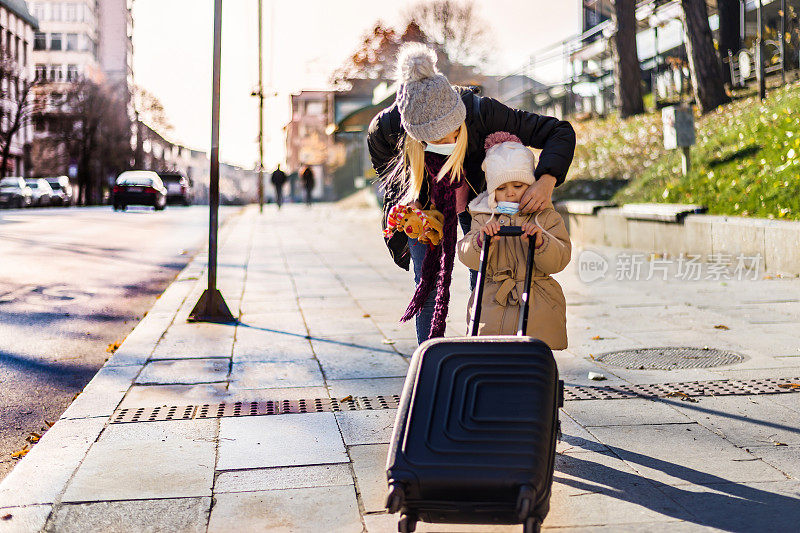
<point x="413" y="163"/>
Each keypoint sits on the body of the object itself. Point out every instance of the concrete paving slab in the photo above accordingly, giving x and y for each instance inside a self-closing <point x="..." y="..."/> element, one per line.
<point x="288" y="440"/>
<point x="24" y="519"/>
<point x="632" y="412"/>
<point x="187" y="515"/>
<point x="196" y="340"/>
<point x="147" y="460"/>
<point x="259" y="345"/>
<point x="186" y="371"/>
<point x="51" y="463"/>
<point x="340" y="388"/>
<point x="575" y="438"/>
<point x="366" y="427"/>
<point x="784" y="458"/>
<point x="386" y="523"/>
<point x="102" y="395"/>
<point x="741" y="507"/>
<point x="286" y="322"/>
<point x="744" y="420"/>
<point x="157" y="395"/>
<point x="346" y="362"/>
<point x="304" y="373"/>
<point x="676" y="454"/>
<point x="335" y="510"/>
<point x="595" y="489"/>
<point x="369" y="465"/>
<point x="292" y="477"/>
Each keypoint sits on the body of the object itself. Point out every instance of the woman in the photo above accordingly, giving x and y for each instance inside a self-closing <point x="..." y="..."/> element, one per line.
<point x="427" y="148"/>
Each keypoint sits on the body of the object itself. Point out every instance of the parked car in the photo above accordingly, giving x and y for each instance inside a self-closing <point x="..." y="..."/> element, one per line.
<point x="14" y="192"/>
<point x="62" y="190"/>
<point x="139" y="187"/>
<point x="42" y="192"/>
<point x="179" y="187"/>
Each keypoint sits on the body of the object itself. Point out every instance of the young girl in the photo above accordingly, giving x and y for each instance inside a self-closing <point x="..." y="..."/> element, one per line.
<point x="509" y="171"/>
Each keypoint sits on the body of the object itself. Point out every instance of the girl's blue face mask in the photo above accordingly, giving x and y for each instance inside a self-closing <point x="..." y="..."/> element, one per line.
<point x="442" y="149"/>
<point x="507" y="208"/>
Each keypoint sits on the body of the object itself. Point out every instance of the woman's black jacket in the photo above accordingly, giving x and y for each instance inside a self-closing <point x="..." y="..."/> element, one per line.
<point x="485" y="115"/>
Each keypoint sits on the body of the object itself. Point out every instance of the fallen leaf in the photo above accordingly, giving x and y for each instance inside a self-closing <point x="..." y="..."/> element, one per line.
<point x="592" y="356"/>
<point x="721" y="326"/>
<point x="366" y="315"/>
<point x="20" y="453"/>
<point x="111" y="348"/>
<point x="348" y="398"/>
<point x="776" y="443"/>
<point x="683" y="396"/>
<point x="597" y="338"/>
<point x="49" y="424"/>
<point x="388" y="341"/>
<point x="789" y="385"/>
<point x="7" y="516"/>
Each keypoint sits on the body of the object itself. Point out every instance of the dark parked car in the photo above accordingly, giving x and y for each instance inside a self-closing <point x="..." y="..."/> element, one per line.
<point x="62" y="190"/>
<point x="14" y="192"/>
<point x="139" y="187"/>
<point x="179" y="187"/>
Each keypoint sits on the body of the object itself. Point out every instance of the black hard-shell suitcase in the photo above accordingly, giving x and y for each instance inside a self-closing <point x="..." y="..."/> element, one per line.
<point x="475" y="434"/>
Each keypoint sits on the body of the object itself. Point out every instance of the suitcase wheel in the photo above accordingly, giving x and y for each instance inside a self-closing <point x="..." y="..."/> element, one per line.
<point x="524" y="502"/>
<point x="395" y="498"/>
<point x="532" y="525"/>
<point x="407" y="524"/>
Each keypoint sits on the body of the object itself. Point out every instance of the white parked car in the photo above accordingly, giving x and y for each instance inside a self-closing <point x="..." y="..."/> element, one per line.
<point x="42" y="191"/>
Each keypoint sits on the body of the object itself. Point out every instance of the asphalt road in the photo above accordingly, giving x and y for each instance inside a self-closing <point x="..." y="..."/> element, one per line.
<point x="73" y="281"/>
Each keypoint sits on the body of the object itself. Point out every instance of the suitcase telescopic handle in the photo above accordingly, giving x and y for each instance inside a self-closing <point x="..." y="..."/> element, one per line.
<point x="505" y="231"/>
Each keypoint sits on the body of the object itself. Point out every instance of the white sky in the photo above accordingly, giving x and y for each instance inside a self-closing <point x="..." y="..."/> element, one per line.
<point x="173" y="45"/>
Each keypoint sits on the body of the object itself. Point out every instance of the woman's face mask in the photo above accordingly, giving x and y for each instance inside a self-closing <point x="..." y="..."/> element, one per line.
<point x="442" y="149"/>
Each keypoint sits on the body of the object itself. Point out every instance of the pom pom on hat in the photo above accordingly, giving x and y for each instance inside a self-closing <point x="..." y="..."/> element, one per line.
<point x="416" y="62"/>
<point x="500" y="137"/>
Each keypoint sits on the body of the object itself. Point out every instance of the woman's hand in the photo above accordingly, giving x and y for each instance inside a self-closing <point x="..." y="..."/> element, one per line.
<point x="490" y="230"/>
<point x="538" y="195"/>
<point x="415" y="204"/>
<point x="530" y="229"/>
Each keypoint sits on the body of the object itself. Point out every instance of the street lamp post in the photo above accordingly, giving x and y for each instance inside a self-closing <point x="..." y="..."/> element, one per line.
<point x="260" y="106"/>
<point x="211" y="306"/>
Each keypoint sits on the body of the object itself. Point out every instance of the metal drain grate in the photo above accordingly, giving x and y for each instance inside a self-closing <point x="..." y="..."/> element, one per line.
<point x="726" y="387"/>
<point x="269" y="407"/>
<point x="669" y="358"/>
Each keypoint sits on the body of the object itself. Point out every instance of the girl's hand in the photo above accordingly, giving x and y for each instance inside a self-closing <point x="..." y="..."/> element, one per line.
<point x="531" y="229"/>
<point x="491" y="229"/>
<point x="415" y="204"/>
<point x="538" y="195"/>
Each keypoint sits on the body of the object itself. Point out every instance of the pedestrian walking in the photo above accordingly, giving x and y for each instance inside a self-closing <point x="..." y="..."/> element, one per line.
<point x="509" y="172"/>
<point x="278" y="180"/>
<point x="308" y="183"/>
<point x="427" y="149"/>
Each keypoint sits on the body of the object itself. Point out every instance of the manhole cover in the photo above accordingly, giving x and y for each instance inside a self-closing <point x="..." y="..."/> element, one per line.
<point x="670" y="358"/>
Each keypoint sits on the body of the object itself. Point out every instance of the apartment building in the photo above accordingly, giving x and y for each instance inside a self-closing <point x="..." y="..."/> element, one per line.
<point x="17" y="28"/>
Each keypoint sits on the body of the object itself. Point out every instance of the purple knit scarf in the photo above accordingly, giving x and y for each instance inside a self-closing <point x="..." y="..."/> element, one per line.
<point x="437" y="268"/>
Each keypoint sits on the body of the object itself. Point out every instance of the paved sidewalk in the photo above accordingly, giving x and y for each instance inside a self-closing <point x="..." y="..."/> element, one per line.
<point x="319" y="300"/>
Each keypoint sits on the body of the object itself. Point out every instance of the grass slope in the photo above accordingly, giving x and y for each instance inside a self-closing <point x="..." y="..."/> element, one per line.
<point x="746" y="161"/>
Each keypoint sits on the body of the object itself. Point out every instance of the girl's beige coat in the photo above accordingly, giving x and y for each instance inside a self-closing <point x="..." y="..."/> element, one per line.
<point x="506" y="275"/>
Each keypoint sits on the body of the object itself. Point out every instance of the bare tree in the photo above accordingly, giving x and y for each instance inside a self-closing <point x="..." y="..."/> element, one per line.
<point x="150" y="110"/>
<point x="627" y="72"/>
<point x="18" y="91"/>
<point x="93" y="129"/>
<point x="375" y="57"/>
<point x="709" y="88"/>
<point x="457" y="27"/>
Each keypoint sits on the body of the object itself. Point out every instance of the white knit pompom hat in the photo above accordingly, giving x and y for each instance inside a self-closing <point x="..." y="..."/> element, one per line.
<point x="507" y="159"/>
